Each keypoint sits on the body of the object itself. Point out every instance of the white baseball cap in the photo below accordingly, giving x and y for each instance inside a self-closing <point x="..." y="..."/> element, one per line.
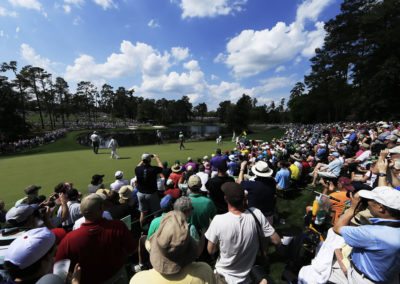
<point x="30" y="247"/>
<point x="119" y="174"/>
<point x="384" y="195"/>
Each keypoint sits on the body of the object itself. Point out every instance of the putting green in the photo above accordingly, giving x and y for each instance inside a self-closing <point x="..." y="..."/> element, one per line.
<point x="65" y="160"/>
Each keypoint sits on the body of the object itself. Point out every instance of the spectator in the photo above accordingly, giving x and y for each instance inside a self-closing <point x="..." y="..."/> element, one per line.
<point x="214" y="186"/>
<point x="332" y="170"/>
<point x="175" y="192"/>
<point x="30" y="257"/>
<point x="3" y="212"/>
<point x="235" y="234"/>
<point x="217" y="161"/>
<point x="172" y="255"/>
<point x="96" y="183"/>
<point x="69" y="211"/>
<point x="204" y="179"/>
<point x="282" y="177"/>
<point x="119" y="181"/>
<point x="99" y="246"/>
<point x="375" y="256"/>
<point x="260" y="191"/>
<point x="176" y="174"/>
<point x="32" y="193"/>
<point x="204" y="209"/>
<point x="146" y="175"/>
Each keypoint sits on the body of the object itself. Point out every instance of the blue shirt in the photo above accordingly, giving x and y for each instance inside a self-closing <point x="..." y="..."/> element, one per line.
<point x="335" y="167"/>
<point x="376" y="249"/>
<point x="283" y="178"/>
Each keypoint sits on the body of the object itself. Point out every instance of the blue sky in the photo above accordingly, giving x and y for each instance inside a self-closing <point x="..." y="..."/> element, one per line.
<point x="209" y="50"/>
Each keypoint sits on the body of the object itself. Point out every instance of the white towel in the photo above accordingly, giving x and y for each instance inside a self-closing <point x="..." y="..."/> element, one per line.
<point x="320" y="269"/>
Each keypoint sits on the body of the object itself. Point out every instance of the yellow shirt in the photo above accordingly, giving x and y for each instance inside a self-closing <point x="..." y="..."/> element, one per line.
<point x="295" y="172"/>
<point x="194" y="273"/>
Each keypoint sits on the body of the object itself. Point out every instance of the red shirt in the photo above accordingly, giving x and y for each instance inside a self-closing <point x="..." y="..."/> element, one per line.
<point x="101" y="249"/>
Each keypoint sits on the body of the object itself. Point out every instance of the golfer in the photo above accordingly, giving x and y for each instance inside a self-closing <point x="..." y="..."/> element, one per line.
<point x="181" y="140"/>
<point x="113" y="145"/>
<point x="95" y="138"/>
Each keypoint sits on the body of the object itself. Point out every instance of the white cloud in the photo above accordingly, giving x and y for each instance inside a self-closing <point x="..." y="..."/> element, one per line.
<point x="180" y="53"/>
<point x="67" y="9"/>
<point x="252" y="52"/>
<point x="209" y="8"/>
<point x="311" y="9"/>
<point x="5" y="13"/>
<point x="69" y="3"/>
<point x="34" y="59"/>
<point x="105" y="4"/>
<point x="77" y="21"/>
<point x="17" y="29"/>
<point x="1" y="33"/>
<point x="153" y="24"/>
<point x="280" y="68"/>
<point x="28" y="4"/>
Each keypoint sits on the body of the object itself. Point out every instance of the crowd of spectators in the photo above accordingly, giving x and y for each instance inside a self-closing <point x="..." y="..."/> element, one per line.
<point x="208" y="220"/>
<point x="29" y="143"/>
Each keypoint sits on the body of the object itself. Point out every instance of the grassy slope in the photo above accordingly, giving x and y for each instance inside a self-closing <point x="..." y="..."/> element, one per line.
<point x="65" y="160"/>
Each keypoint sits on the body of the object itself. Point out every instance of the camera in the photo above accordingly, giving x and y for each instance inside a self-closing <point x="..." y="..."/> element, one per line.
<point x="152" y="156"/>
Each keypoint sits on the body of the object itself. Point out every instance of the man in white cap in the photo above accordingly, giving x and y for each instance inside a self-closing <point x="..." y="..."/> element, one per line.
<point x="119" y="181"/>
<point x="30" y="256"/>
<point x="375" y="257"/>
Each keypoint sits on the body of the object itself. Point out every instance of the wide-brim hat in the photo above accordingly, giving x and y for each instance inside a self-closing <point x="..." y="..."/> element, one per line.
<point x="262" y="169"/>
<point x="296" y="157"/>
<point x="176" y="168"/>
<point x="172" y="247"/>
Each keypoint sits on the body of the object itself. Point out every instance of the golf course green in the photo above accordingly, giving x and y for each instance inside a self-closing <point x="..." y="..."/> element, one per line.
<point x="66" y="160"/>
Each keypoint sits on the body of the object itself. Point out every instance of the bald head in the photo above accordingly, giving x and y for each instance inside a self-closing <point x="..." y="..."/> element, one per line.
<point x="92" y="207"/>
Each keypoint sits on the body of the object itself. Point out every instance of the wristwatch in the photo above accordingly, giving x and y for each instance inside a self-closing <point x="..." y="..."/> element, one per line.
<point x="381" y="175"/>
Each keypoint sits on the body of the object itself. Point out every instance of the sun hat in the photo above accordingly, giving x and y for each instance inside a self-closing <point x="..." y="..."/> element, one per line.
<point x="103" y="193"/>
<point x="172" y="248"/>
<point x="30" y="247"/>
<point x="119" y="174"/>
<point x="384" y="195"/>
<point x="205" y="158"/>
<point x="176" y="168"/>
<point x="194" y="182"/>
<point x="51" y="279"/>
<point x="262" y="169"/>
<point x="32" y="189"/>
<point x="125" y="192"/>
<point x="233" y="191"/>
<point x="296" y="157"/>
<point x="20" y="213"/>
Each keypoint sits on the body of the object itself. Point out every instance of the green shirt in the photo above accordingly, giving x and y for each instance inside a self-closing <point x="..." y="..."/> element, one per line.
<point x="155" y="224"/>
<point x="204" y="211"/>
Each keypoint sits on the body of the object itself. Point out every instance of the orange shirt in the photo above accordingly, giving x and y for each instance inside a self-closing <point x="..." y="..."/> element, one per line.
<point x="338" y="206"/>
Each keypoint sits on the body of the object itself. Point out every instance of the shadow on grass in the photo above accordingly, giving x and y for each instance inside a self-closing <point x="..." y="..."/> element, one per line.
<point x="124" y="158"/>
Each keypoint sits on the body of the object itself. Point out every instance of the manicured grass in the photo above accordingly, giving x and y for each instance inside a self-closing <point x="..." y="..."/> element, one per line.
<point x="65" y="160"/>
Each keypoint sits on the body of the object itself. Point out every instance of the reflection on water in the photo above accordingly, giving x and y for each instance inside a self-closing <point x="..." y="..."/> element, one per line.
<point x="144" y="137"/>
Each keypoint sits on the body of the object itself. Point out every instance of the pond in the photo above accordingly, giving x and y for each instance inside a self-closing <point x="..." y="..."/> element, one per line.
<point x="133" y="137"/>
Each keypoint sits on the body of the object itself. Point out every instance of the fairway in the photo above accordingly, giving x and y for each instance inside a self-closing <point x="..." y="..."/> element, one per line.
<point x="65" y="160"/>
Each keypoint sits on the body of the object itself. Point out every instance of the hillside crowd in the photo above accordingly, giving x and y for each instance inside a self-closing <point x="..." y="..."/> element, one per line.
<point x="211" y="219"/>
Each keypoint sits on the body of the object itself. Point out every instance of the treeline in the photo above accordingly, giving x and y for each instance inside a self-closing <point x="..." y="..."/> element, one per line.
<point x="356" y="74"/>
<point x="34" y="90"/>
